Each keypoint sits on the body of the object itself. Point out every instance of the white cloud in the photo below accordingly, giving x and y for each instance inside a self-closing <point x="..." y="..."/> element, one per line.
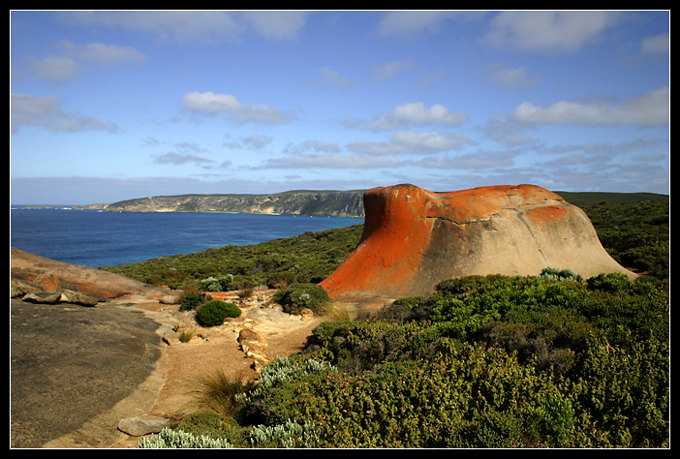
<point x="507" y="130"/>
<point x="196" y="27"/>
<point x="407" y="142"/>
<point x="55" y="69"/>
<point x="332" y="161"/>
<point x="386" y="70"/>
<point x="658" y="44"/>
<point x="45" y="111"/>
<point x="181" y="158"/>
<point x="410" y="24"/>
<point x="416" y="114"/>
<point x="210" y="103"/>
<point x="512" y="78"/>
<point x="64" y="68"/>
<point x="280" y="25"/>
<point x="652" y="108"/>
<point x="320" y="146"/>
<point x="329" y="78"/>
<point x="479" y="160"/>
<point x="256" y="142"/>
<point x="550" y="32"/>
<point x="109" y="55"/>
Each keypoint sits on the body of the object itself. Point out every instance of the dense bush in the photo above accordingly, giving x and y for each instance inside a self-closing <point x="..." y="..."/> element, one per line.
<point x="495" y="361"/>
<point x="192" y="299"/>
<point x="214" y="312"/>
<point x="303" y="296"/>
<point x="636" y="234"/>
<point x="492" y="361"/>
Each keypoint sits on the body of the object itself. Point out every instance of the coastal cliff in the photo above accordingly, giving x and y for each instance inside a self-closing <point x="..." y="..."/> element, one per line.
<point x="303" y="202"/>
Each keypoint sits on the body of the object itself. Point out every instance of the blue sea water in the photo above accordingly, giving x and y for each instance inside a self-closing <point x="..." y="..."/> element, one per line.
<point x="93" y="238"/>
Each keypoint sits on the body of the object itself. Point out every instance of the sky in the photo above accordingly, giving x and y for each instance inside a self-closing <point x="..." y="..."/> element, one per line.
<point x="114" y="105"/>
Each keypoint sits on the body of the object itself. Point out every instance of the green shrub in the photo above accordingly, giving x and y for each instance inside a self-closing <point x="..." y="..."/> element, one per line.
<point x="214" y="425"/>
<point x="403" y="310"/>
<point x="300" y="296"/>
<point x="192" y="299"/>
<point x="610" y="282"/>
<point x="214" y="312"/>
<point x="551" y="273"/>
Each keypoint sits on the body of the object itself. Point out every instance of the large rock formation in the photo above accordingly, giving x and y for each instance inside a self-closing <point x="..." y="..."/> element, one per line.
<point x="414" y="238"/>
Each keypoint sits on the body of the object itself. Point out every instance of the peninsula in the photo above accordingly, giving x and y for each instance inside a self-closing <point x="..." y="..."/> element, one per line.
<point x="298" y="202"/>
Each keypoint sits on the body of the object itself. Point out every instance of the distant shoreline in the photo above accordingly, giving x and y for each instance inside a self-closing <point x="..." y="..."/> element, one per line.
<point x="300" y="202"/>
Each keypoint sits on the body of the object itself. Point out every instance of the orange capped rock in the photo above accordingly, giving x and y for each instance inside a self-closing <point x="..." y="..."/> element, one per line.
<point x="414" y="239"/>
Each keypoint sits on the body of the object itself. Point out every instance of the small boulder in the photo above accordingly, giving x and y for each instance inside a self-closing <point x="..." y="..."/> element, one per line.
<point x="70" y="296"/>
<point x="42" y="298"/>
<point x="170" y="299"/>
<point x="142" y="425"/>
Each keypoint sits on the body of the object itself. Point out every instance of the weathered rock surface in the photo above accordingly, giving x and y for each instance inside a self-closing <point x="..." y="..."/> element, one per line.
<point x="414" y="238"/>
<point x="32" y="274"/>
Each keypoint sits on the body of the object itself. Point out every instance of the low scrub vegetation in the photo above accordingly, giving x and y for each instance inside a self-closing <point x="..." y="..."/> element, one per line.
<point x="483" y="361"/>
<point x="307" y="258"/>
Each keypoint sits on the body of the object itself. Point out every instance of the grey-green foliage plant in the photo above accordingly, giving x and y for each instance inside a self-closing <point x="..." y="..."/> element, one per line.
<point x="168" y="438"/>
<point x="290" y="434"/>
<point x="282" y="371"/>
<point x="556" y="274"/>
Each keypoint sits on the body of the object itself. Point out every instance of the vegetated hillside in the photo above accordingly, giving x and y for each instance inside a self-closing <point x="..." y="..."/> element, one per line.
<point x="302" y="202"/>
<point x="633" y="228"/>
<point x="309" y="257"/>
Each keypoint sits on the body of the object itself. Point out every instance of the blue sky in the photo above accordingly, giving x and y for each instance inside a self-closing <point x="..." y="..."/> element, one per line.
<point x="107" y="106"/>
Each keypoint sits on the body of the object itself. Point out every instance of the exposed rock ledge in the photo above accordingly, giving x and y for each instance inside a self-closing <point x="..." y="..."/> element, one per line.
<point x="42" y="277"/>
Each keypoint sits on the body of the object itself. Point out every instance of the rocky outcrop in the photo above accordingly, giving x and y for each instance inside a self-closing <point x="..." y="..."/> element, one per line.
<point x="44" y="278"/>
<point x="414" y="238"/>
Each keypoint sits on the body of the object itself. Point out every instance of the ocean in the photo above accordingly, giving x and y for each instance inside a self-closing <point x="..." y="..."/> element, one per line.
<point x="96" y="239"/>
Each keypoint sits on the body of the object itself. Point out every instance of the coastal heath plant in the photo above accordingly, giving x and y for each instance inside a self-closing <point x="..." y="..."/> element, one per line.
<point x="168" y="438"/>
<point x="191" y="298"/>
<point x="214" y="312"/>
<point x="300" y="296"/>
